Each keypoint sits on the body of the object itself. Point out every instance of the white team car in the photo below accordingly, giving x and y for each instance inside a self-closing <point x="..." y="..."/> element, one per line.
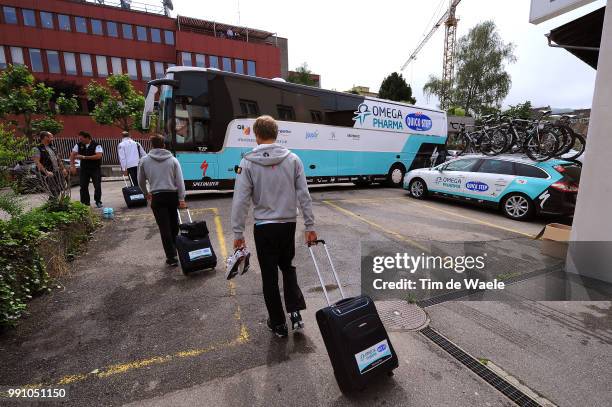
<point x="517" y="186"/>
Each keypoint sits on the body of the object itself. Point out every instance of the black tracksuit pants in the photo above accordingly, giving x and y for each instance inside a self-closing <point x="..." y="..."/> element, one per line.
<point x="133" y="174"/>
<point x="95" y="174"/>
<point x="165" y="206"/>
<point x="275" y="245"/>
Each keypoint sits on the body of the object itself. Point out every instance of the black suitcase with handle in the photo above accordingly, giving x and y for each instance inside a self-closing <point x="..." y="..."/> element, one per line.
<point x="357" y="343"/>
<point x="195" y="251"/>
<point x="133" y="195"/>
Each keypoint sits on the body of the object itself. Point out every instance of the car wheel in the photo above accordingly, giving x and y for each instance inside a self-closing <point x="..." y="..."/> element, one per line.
<point x="395" y="177"/>
<point x="517" y="207"/>
<point x="418" y="188"/>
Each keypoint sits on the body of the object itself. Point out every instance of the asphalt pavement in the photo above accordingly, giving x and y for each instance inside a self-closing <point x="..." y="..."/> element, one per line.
<point x="124" y="329"/>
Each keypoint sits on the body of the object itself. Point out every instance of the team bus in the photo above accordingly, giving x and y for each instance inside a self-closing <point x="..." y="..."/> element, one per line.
<point x="206" y="116"/>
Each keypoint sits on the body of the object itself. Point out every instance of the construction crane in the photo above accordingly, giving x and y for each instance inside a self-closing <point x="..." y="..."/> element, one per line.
<point x="448" y="65"/>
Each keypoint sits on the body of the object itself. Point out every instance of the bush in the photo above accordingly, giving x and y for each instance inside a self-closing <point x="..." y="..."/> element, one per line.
<point x="23" y="273"/>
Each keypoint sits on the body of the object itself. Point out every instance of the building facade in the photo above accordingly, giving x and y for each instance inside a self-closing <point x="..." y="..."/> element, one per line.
<point x="68" y="43"/>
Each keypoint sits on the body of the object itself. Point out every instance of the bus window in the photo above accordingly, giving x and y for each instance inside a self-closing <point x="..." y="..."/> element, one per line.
<point x="192" y="126"/>
<point x="285" y="112"/>
<point x="316" y="116"/>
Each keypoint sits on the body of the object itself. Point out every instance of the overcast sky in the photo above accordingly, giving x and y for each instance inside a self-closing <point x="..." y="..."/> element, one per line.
<point x="359" y="43"/>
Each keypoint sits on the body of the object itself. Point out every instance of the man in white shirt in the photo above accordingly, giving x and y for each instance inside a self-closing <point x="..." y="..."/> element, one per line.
<point x="130" y="152"/>
<point x="90" y="155"/>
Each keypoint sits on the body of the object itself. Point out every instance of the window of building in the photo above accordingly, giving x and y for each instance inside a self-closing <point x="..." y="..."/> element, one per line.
<point x="116" y="64"/>
<point x="17" y="56"/>
<point x="239" y="65"/>
<point x="316" y="116"/>
<point x="96" y="27"/>
<point x="285" y="112"/>
<point x="131" y="68"/>
<point x="2" y="58"/>
<point x="70" y="63"/>
<point x="127" y="31"/>
<point x="53" y="62"/>
<point x="81" y="24"/>
<point x="169" y="37"/>
<point x="86" y="67"/>
<point x="186" y="58"/>
<point x="141" y="33"/>
<point x="159" y="69"/>
<point x="10" y="15"/>
<point x="111" y="29"/>
<point x="64" y="22"/>
<point x="145" y="70"/>
<point x="227" y="64"/>
<point x="200" y="61"/>
<point x="249" y="108"/>
<point x="46" y="19"/>
<point x="155" y="35"/>
<point x="101" y="65"/>
<point x="251" y="68"/>
<point x="29" y="18"/>
<point x="36" y="63"/>
<point x="213" y="62"/>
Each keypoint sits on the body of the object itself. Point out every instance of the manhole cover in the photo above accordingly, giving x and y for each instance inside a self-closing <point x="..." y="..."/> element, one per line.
<point x="401" y="315"/>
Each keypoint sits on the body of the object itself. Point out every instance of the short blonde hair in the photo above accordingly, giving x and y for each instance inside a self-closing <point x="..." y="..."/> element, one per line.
<point x="265" y="127"/>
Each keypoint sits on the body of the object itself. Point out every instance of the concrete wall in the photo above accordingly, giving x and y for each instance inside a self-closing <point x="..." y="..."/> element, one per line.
<point x="593" y="216"/>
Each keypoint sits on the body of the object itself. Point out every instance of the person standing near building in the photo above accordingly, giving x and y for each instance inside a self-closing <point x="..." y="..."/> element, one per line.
<point x="273" y="178"/>
<point x="166" y="192"/>
<point x="129" y="152"/>
<point x="49" y="164"/>
<point x="90" y="155"/>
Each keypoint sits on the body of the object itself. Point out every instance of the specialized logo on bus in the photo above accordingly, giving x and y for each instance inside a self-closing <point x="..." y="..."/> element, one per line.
<point x="204" y="167"/>
<point x="477" y="186"/>
<point x="362" y="112"/>
<point x="418" y="122"/>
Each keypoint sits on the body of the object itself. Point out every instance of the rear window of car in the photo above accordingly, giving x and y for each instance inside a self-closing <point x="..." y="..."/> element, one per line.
<point x="525" y="170"/>
<point x="497" y="167"/>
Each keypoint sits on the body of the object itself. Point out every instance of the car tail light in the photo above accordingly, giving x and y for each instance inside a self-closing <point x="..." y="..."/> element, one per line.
<point x="565" y="186"/>
<point x="559" y="168"/>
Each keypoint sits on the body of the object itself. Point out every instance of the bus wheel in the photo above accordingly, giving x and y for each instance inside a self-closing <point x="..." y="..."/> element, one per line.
<point x="395" y="177"/>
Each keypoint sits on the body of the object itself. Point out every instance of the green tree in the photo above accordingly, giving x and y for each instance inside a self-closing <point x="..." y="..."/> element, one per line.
<point x="302" y="76"/>
<point x="33" y="106"/>
<point x="394" y="87"/>
<point x="117" y="103"/>
<point x="481" y="82"/>
<point x="520" y="110"/>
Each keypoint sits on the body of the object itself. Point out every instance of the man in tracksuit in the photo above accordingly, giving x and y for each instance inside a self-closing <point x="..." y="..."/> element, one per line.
<point x="273" y="178"/>
<point x="166" y="192"/>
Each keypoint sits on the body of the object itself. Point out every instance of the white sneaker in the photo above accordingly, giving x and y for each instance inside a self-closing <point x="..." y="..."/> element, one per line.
<point x="244" y="264"/>
<point x="232" y="263"/>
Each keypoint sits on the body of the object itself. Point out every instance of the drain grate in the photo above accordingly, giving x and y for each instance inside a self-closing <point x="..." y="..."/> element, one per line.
<point x="401" y="315"/>
<point x="481" y="370"/>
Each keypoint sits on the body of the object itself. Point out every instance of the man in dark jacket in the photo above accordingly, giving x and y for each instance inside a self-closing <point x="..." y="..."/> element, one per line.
<point x="49" y="165"/>
<point x="166" y="192"/>
<point x="90" y="155"/>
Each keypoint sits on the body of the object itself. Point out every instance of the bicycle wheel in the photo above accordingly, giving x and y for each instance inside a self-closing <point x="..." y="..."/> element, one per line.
<point x="493" y="143"/>
<point x="566" y="138"/>
<point x="541" y="146"/>
<point x="578" y="146"/>
<point x="461" y="143"/>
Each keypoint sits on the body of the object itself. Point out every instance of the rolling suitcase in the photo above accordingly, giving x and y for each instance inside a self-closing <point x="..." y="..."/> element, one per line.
<point x="356" y="340"/>
<point x="133" y="195"/>
<point x="195" y="252"/>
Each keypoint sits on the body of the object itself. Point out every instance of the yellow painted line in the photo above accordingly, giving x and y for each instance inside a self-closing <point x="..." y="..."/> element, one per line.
<point x="482" y="222"/>
<point x="377" y="226"/>
<point x="121" y="368"/>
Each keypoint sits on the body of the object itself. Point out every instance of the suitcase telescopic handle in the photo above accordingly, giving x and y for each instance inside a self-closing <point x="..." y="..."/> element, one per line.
<point x="310" y="244"/>
<point x="179" y="215"/>
<point x="125" y="181"/>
